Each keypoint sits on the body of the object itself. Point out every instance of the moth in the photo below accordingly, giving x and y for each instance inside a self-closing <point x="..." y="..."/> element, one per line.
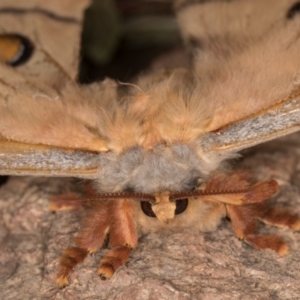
<point x="154" y="152"/>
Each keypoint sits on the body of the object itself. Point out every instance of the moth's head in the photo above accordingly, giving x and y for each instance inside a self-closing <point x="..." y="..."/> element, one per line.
<point x="171" y="209"/>
<point x="166" y="211"/>
<point x="164" y="208"/>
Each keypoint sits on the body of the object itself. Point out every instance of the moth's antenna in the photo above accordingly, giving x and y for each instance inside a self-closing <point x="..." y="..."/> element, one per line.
<point x="105" y="196"/>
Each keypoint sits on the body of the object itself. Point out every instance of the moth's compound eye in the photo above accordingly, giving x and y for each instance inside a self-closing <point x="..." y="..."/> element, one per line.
<point x="181" y="206"/>
<point x="147" y="209"/>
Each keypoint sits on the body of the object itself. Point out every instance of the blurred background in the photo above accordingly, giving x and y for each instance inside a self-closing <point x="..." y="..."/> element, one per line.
<point x="122" y="37"/>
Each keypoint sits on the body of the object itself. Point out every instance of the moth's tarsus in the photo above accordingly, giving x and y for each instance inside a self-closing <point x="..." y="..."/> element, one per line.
<point x="278" y="217"/>
<point x="102" y="277"/>
<point x="70" y="258"/>
<point x="106" y="271"/>
<point x="271" y="242"/>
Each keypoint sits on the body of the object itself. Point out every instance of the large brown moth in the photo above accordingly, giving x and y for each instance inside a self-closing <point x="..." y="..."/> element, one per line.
<point x="155" y="149"/>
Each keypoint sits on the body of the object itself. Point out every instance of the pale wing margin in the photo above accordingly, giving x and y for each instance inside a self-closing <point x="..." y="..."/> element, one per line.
<point x="278" y="121"/>
<point x="38" y="160"/>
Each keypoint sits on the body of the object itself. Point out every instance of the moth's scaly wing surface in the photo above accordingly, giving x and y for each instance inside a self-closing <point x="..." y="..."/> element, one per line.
<point x="216" y="29"/>
<point x="34" y="113"/>
<point x="249" y="66"/>
<point x="266" y="125"/>
<point x="38" y="160"/>
<point x="53" y="28"/>
<point x="46" y="119"/>
<point x="47" y="122"/>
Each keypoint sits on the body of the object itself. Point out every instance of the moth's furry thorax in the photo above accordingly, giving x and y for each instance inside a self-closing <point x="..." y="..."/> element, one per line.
<point x="177" y="167"/>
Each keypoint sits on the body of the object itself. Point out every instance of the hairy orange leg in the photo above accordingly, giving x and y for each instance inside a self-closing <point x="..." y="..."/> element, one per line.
<point x="70" y="258"/>
<point x="90" y="238"/>
<point x="123" y="238"/>
<point x="113" y="217"/>
<point x="114" y="258"/>
<point x="280" y="218"/>
<point x="244" y="220"/>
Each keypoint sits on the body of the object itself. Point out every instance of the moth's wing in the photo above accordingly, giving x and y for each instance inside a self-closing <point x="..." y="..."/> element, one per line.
<point x="256" y="94"/>
<point x="52" y="29"/>
<point x="248" y="69"/>
<point x="34" y="113"/>
<point x="266" y="125"/>
<point x="48" y="124"/>
<point x="48" y="132"/>
<point x="39" y="101"/>
<point x="38" y="160"/>
<point x="213" y="30"/>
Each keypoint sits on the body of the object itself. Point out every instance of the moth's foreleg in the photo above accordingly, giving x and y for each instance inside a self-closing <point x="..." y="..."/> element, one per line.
<point x="90" y="238"/>
<point x="114" y="258"/>
<point x="243" y="219"/>
<point x="94" y="229"/>
<point x="70" y="258"/>
<point x="122" y="238"/>
<point x="280" y="218"/>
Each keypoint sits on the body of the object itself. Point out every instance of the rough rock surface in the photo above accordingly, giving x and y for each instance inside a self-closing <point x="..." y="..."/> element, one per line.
<point x="185" y="265"/>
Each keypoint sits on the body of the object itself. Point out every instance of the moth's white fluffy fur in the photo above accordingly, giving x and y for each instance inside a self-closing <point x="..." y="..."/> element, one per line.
<point x="173" y="168"/>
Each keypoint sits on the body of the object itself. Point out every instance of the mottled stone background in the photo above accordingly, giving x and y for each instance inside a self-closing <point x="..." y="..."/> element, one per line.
<point x="185" y="265"/>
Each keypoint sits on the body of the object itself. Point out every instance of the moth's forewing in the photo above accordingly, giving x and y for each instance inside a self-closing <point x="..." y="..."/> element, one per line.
<point x="38" y="160"/>
<point x="40" y="103"/>
<point x="248" y="60"/>
<point x="35" y="113"/>
<point x="249" y="73"/>
<point x="269" y="124"/>
<point x="53" y="29"/>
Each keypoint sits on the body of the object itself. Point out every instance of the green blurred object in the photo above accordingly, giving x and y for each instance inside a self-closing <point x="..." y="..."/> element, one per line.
<point x="102" y="31"/>
<point x="150" y="30"/>
<point x="105" y="30"/>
